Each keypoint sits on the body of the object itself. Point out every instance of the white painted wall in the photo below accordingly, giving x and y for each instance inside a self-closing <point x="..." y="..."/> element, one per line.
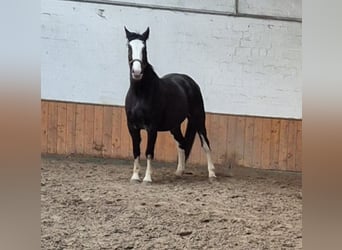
<point x="280" y="8"/>
<point x="245" y="66"/>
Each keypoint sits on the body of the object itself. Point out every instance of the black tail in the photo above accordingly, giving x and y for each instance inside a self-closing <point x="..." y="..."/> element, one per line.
<point x="189" y="138"/>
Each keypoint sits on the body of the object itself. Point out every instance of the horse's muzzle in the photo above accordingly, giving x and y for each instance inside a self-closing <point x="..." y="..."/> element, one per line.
<point x="137" y="76"/>
<point x="137" y="69"/>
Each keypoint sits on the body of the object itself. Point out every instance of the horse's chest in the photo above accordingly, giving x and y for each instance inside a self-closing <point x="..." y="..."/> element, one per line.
<point x="140" y="115"/>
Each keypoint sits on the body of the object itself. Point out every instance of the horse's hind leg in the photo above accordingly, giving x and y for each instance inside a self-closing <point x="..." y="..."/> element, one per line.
<point x="177" y="134"/>
<point x="206" y="147"/>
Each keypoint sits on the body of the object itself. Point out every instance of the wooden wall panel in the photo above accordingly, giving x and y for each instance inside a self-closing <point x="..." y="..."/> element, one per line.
<point x="230" y="140"/>
<point x="257" y="143"/>
<point x="240" y="139"/>
<point x="125" y="139"/>
<point x="71" y="128"/>
<point x="291" y="145"/>
<point x="283" y="144"/>
<point x="117" y="123"/>
<point x="88" y="138"/>
<point x="249" y="141"/>
<point x="44" y="126"/>
<point x="61" y="127"/>
<point x="275" y="133"/>
<point x="299" y="142"/>
<point x="107" y="131"/>
<point x="52" y="128"/>
<point x="266" y="144"/>
<point x="99" y="130"/>
<point x="80" y="123"/>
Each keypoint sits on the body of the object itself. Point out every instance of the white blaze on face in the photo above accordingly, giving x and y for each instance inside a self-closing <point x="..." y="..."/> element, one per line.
<point x="137" y="49"/>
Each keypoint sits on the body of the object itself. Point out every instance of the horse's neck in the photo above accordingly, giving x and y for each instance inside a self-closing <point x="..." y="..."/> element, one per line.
<point x="150" y="75"/>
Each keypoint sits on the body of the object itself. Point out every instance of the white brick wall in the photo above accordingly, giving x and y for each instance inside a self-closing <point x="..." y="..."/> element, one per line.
<point x="245" y="66"/>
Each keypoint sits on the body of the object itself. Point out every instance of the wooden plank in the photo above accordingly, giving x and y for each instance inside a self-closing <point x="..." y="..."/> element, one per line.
<point x="107" y="131"/>
<point x="44" y="125"/>
<point x="240" y="138"/>
<point x="266" y="144"/>
<point x="275" y="138"/>
<point x="248" y="143"/>
<point x="88" y="129"/>
<point x="117" y="120"/>
<point x="71" y="128"/>
<point x="283" y="143"/>
<point x="98" y="130"/>
<point x="222" y="143"/>
<point x="125" y="141"/>
<point x="291" y="146"/>
<point x="196" y="153"/>
<point x="231" y="131"/>
<point x="159" y="147"/>
<point x="143" y="143"/>
<point x="80" y="128"/>
<point x="299" y="159"/>
<point x="257" y="143"/>
<point x="52" y="128"/>
<point x="61" y="128"/>
<point x="217" y="138"/>
<point x="203" y="157"/>
<point x="212" y="134"/>
<point x="170" y="154"/>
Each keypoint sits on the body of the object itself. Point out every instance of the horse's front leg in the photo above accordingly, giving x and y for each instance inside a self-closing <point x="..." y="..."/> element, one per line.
<point x="151" y="140"/>
<point x="136" y="139"/>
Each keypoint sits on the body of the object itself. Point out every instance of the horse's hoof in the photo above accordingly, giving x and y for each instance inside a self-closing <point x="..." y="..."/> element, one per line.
<point x="213" y="179"/>
<point x="179" y="173"/>
<point x="135" y="181"/>
<point x="147" y="183"/>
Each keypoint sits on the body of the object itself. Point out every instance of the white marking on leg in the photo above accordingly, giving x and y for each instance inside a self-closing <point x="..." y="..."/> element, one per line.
<point x="211" y="167"/>
<point x="181" y="162"/>
<point x="136" y="168"/>
<point x="148" y="172"/>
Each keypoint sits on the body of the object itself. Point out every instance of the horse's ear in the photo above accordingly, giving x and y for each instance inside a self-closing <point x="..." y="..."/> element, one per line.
<point x="146" y="33"/>
<point x="128" y="33"/>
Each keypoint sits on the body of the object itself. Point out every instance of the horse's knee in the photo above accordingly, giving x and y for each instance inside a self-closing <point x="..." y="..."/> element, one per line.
<point x="149" y="155"/>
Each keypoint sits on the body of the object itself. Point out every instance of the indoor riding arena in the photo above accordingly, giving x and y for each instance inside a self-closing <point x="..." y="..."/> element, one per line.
<point x="245" y="56"/>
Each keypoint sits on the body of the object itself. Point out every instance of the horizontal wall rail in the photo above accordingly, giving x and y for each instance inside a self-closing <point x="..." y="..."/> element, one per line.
<point x="190" y="10"/>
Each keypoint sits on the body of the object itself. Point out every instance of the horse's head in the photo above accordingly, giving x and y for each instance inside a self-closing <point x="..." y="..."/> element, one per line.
<point x="137" y="55"/>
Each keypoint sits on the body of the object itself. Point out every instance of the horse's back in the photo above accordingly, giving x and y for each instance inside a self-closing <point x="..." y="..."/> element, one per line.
<point x="180" y="79"/>
<point x="186" y="94"/>
<point x="183" y="82"/>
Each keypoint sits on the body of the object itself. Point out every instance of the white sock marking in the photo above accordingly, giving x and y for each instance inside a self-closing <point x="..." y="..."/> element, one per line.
<point x="181" y="162"/>
<point x="211" y="167"/>
<point x="136" y="169"/>
<point x="148" y="172"/>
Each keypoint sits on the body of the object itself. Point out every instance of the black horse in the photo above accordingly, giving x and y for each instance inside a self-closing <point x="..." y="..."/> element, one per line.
<point x="162" y="104"/>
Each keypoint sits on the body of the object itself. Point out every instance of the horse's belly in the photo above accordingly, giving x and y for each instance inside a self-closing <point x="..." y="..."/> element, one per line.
<point x="171" y="123"/>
